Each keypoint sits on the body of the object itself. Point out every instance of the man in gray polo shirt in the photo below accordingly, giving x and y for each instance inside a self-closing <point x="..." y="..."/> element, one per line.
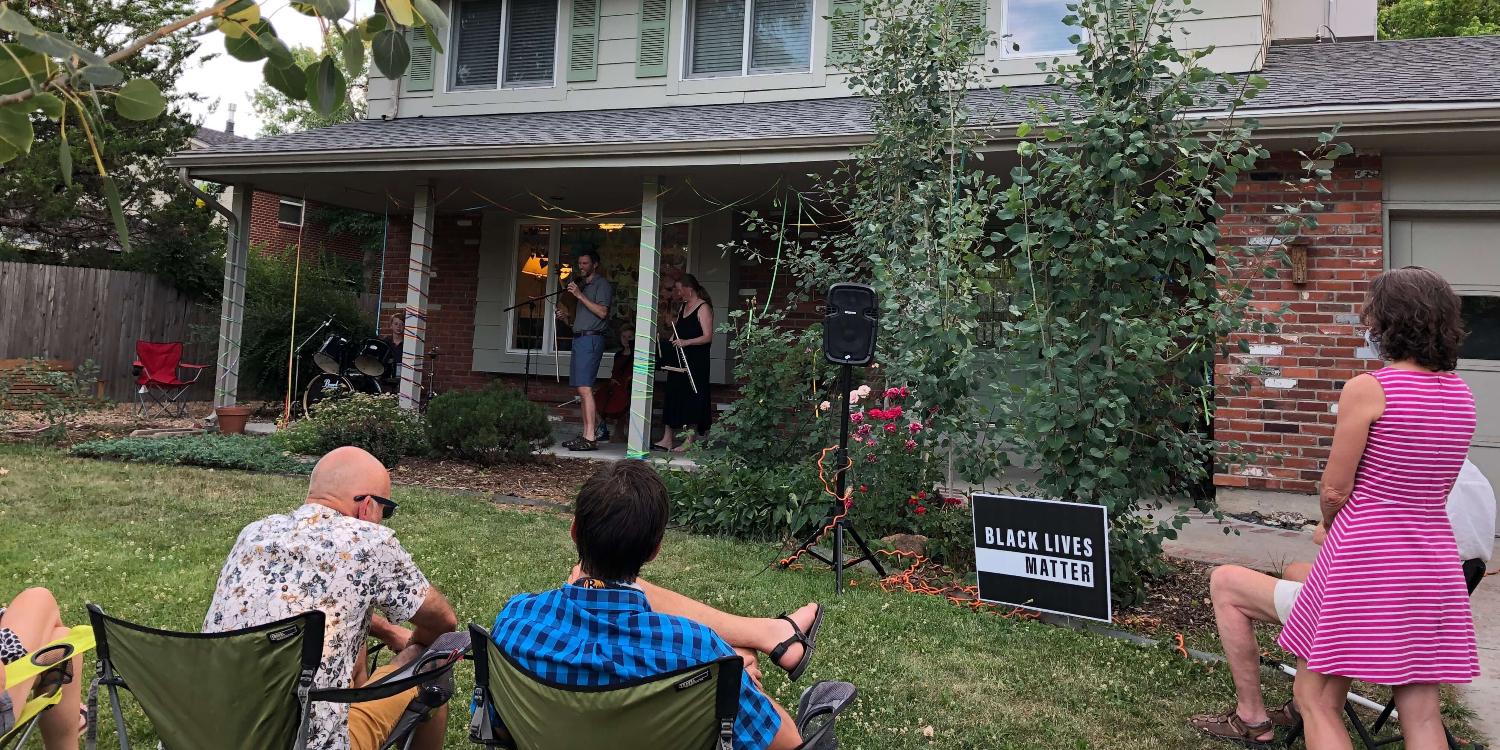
<point x="590" y="328"/>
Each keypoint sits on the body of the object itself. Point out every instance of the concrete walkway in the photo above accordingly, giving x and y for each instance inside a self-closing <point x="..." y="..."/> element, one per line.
<point x="1270" y="549"/>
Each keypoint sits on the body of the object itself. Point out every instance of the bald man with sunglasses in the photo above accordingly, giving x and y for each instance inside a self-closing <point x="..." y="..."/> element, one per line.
<point x="333" y="554"/>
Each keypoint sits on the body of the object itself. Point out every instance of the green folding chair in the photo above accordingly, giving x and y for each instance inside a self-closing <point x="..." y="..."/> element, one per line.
<point x="689" y="709"/>
<point x="249" y="689"/>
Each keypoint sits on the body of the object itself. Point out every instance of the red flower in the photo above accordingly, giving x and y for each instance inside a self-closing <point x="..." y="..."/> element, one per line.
<point x="914" y="428"/>
<point x="922" y="495"/>
<point x="863" y="430"/>
<point x="911" y="501"/>
<point x="893" y="413"/>
<point x="903" y="391"/>
<point x="890" y="427"/>
<point x="870" y="458"/>
<point x="921" y="509"/>
<point x="864" y="488"/>
<point x="857" y="417"/>
<point x="877" y="413"/>
<point x="911" y="445"/>
<point x="953" y="501"/>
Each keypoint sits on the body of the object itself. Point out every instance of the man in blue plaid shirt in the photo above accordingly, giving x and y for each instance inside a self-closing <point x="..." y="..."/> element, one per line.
<point x="602" y="629"/>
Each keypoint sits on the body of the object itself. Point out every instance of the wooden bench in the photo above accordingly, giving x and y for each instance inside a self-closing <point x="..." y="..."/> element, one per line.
<point x="20" y="390"/>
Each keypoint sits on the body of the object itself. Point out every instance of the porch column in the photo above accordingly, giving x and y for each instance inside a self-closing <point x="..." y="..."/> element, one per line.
<point x="418" y="276"/>
<point x="232" y="309"/>
<point x="643" y="375"/>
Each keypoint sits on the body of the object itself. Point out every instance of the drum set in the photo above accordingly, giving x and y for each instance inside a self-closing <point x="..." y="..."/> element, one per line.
<point x="371" y="366"/>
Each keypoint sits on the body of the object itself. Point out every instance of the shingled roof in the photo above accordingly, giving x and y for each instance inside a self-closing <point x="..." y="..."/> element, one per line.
<point x="1342" y="75"/>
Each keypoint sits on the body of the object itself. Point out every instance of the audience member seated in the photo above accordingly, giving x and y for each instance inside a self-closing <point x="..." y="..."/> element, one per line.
<point x="30" y="621"/>
<point x="606" y="626"/>
<point x="1242" y="597"/>
<point x="333" y="554"/>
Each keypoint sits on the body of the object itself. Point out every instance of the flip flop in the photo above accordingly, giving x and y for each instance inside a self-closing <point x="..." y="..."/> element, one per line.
<point x="809" y="641"/>
<point x="662" y="448"/>
<point x="582" y="445"/>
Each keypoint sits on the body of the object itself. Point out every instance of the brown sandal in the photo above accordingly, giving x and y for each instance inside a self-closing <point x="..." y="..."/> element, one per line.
<point x="1229" y="726"/>
<point x="1286" y="716"/>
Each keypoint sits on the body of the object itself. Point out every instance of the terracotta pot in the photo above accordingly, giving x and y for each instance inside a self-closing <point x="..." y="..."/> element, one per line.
<point x="232" y="419"/>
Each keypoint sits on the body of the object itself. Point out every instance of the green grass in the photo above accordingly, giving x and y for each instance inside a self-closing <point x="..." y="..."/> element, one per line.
<point x="147" y="542"/>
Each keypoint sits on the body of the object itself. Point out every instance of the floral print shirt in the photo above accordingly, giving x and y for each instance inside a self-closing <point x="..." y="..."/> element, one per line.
<point x="317" y="558"/>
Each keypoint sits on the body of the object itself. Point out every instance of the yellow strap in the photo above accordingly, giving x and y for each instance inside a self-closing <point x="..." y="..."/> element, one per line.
<point x="80" y="640"/>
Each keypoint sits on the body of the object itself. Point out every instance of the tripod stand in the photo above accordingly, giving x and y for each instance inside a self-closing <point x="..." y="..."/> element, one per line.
<point x="838" y="517"/>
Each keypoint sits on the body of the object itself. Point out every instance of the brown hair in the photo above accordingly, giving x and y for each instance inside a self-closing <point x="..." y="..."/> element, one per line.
<point x="1414" y="315"/>
<point x="690" y="281"/>
<point x="619" y="520"/>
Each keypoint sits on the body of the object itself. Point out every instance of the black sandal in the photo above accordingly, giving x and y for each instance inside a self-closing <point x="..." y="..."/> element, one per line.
<point x="662" y="448"/>
<point x="581" y="444"/>
<point x="809" y="641"/>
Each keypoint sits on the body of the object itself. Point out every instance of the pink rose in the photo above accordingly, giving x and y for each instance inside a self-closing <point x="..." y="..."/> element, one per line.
<point x="863" y="391"/>
<point x="890" y="427"/>
<point x="825" y="406"/>
<point x="911" y="445"/>
<point x="914" y="428"/>
<point x="856" y="417"/>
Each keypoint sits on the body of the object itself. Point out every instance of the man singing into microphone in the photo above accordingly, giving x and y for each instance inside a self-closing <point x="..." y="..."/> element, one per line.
<point x="590" y="327"/>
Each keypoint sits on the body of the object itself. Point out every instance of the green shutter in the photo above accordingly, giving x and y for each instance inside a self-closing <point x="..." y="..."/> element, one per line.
<point x="846" y="32"/>
<point x="651" y="39"/>
<point x="975" y="13"/>
<point x="419" y="73"/>
<point x="583" y="41"/>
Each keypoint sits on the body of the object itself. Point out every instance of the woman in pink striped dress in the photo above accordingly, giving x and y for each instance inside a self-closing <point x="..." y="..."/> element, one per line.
<point x="1386" y="602"/>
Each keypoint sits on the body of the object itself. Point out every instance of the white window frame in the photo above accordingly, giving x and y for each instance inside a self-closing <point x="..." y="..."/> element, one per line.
<point x="558" y="53"/>
<point x="745" y="50"/>
<point x="301" y="211"/>
<point x="1005" y="44"/>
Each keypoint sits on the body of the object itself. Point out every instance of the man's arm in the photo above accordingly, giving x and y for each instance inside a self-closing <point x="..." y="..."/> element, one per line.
<point x="434" y="618"/>
<point x="599" y="311"/>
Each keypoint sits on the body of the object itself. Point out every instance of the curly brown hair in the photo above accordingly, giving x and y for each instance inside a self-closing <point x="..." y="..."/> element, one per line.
<point x="1414" y="315"/>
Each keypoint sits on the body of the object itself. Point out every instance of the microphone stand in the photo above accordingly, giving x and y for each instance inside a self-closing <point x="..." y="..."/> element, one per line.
<point x="530" y="304"/>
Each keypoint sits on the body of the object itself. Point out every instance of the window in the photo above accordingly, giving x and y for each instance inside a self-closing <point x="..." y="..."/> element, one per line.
<point x="745" y="37"/>
<point x="1481" y="316"/>
<point x="289" y="212"/>
<point x="1035" y="27"/>
<point x="542" y="246"/>
<point x="506" y="44"/>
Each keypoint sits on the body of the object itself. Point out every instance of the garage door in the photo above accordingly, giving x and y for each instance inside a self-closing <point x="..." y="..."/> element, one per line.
<point x="1466" y="251"/>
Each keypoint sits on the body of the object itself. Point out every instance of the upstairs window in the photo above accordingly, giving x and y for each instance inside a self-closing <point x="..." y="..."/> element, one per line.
<point x="1035" y="27"/>
<point x="749" y="37"/>
<point x="504" y="44"/>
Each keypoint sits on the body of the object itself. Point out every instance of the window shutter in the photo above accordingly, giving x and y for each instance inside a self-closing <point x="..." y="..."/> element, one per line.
<point x="583" y="41"/>
<point x="419" y="73"/>
<point x="718" y="37"/>
<point x="846" y="32"/>
<point x="975" y="13"/>
<point x="652" y="39"/>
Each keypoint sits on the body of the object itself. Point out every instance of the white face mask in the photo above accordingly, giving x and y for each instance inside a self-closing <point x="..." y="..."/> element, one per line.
<point x="1370" y="341"/>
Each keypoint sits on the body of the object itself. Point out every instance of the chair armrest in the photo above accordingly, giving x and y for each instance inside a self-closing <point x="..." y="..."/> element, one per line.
<point x="434" y="664"/>
<point x="193" y="367"/>
<point x="197" y="370"/>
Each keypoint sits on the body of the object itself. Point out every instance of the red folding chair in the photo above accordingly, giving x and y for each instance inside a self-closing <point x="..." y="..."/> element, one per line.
<point x="158" y="369"/>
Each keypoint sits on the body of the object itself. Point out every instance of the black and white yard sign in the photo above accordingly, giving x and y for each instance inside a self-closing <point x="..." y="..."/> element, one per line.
<point x="1046" y="555"/>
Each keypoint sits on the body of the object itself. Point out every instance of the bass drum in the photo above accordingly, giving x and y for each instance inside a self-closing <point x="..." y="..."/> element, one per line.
<point x="325" y="387"/>
<point x="333" y="356"/>
<point x="374" y="357"/>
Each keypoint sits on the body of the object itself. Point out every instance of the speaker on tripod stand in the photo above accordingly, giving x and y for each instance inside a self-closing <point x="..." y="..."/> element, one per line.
<point x="850" y="321"/>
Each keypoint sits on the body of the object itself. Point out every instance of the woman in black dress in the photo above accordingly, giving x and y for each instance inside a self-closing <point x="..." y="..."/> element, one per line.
<point x="695" y="334"/>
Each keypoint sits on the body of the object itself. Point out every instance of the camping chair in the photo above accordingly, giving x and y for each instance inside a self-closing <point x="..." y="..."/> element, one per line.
<point x="52" y="657"/>
<point x="248" y="689"/>
<point x="1369" y="735"/>
<point x="516" y="709"/>
<point x="157" y="368"/>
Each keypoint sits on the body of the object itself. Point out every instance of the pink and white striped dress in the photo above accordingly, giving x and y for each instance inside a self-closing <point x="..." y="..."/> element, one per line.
<point x="1386" y="601"/>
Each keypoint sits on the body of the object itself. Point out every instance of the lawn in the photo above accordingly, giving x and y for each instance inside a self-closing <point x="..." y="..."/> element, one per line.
<point x="146" y="542"/>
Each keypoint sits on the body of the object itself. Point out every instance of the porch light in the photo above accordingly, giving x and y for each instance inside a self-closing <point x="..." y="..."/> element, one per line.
<point x="536" y="266"/>
<point x="611" y="226"/>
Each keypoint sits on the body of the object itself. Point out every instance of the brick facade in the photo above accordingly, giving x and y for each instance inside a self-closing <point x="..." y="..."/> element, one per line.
<point x="273" y="237"/>
<point x="1279" y="400"/>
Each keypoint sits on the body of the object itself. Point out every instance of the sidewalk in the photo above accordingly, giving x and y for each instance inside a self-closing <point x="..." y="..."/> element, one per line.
<point x="1269" y="549"/>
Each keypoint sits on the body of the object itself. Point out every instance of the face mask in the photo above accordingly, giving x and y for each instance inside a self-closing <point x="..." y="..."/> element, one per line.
<point x="1370" y="341"/>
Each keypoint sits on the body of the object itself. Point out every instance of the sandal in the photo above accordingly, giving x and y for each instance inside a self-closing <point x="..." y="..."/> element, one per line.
<point x="662" y="448"/>
<point x="809" y="641"/>
<point x="1286" y="716"/>
<point x="1229" y="726"/>
<point x="580" y="444"/>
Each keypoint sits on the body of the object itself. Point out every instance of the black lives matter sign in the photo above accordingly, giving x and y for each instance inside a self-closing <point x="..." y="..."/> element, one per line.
<point x="1045" y="555"/>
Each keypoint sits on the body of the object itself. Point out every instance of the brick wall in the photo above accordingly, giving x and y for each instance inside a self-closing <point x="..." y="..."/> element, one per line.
<point x="1280" y="399"/>
<point x="267" y="232"/>
<point x="452" y="291"/>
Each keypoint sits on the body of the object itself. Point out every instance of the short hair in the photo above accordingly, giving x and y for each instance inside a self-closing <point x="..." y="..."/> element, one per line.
<point x="1413" y="314"/>
<point x="591" y="254"/>
<point x="619" y="520"/>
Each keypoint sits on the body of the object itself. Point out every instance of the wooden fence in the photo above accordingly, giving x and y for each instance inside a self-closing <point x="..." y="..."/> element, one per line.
<point x="92" y="314"/>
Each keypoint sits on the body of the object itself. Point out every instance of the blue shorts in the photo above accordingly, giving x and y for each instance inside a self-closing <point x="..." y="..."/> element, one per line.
<point x="588" y="352"/>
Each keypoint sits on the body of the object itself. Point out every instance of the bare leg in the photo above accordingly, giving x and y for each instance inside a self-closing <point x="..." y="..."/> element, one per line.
<point x="1240" y="597"/>
<point x="34" y="617"/>
<point x="762" y="634"/>
<point x="686" y="442"/>
<point x="666" y="437"/>
<point x="787" y="736"/>
<point x="1320" y="698"/>
<point x="590" y="412"/>
<point x="1421" y="722"/>
<point x="1297" y="571"/>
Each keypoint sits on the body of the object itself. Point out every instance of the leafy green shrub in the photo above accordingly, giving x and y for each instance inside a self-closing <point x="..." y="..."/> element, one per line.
<point x="747" y="502"/>
<point x="245" y="452"/>
<point x="488" y="426"/>
<point x="774" y="421"/>
<point x="329" y="287"/>
<point x="377" y="424"/>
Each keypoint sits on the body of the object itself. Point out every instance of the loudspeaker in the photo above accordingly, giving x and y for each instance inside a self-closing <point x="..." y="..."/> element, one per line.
<point x="849" y="324"/>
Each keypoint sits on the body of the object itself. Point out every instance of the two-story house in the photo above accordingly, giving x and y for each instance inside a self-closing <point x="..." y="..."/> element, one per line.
<point x="644" y="128"/>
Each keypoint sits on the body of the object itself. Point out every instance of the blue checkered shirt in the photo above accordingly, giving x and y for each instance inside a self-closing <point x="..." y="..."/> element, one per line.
<point x="595" y="637"/>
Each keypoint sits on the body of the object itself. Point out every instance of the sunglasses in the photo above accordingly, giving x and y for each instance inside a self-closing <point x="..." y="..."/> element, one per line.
<point x="387" y="507"/>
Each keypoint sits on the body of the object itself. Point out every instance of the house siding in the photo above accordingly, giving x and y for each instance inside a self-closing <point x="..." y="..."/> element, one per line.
<point x="1235" y="29"/>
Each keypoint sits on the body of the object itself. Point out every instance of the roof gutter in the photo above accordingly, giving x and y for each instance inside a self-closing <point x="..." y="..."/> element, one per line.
<point x="1394" y="119"/>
